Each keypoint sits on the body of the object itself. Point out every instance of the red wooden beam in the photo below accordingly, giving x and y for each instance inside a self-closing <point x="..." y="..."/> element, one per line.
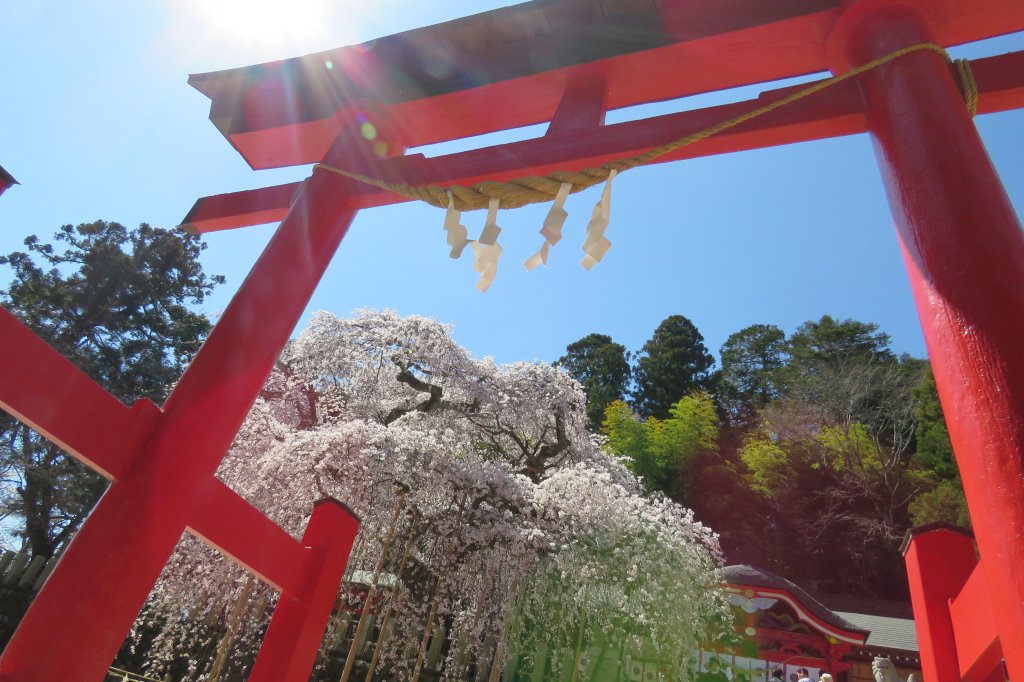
<point x="297" y="626"/>
<point x="107" y="571"/>
<point x="48" y="393"/>
<point x="240" y="209"/>
<point x="974" y="627"/>
<point x="508" y="68"/>
<point x="835" y="112"/>
<point x="939" y="559"/>
<point x="43" y="389"/>
<point x="231" y="524"/>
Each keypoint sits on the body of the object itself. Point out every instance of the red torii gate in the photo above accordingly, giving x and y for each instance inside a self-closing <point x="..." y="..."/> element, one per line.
<point x="565" y="62"/>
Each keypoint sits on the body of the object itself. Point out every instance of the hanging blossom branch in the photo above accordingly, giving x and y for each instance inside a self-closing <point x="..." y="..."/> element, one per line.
<point x="502" y="484"/>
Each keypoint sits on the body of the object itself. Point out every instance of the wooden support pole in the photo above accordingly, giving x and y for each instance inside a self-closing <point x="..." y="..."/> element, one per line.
<point x="371" y="593"/>
<point x="234" y="618"/>
<point x="385" y="625"/>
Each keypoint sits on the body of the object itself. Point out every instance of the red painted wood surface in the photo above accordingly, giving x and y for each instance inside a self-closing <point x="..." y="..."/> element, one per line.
<point x="978" y="651"/>
<point x="46" y="391"/>
<point x="572" y="146"/>
<point x="287" y="113"/>
<point x="584" y="101"/>
<point x="226" y="211"/>
<point x="939" y="561"/>
<point x="964" y="250"/>
<point x="228" y="522"/>
<point x="55" y="398"/>
<point x="297" y="626"/>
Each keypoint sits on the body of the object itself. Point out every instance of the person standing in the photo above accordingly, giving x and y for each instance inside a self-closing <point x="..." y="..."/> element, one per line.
<point x="713" y="673"/>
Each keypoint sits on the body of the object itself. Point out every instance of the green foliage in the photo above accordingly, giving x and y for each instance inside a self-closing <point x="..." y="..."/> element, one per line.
<point x="832" y="342"/>
<point x="751" y="360"/>
<point x="692" y="427"/>
<point x="945" y="502"/>
<point x="602" y="368"/>
<point x="934" y="451"/>
<point x="849" y="448"/>
<point x="835" y="490"/>
<point x="835" y="445"/>
<point x="122" y="316"/>
<point x="672" y="364"/>
<point x="629" y="437"/>
<point x="660" y="450"/>
<point x="768" y="465"/>
<point x="116" y="303"/>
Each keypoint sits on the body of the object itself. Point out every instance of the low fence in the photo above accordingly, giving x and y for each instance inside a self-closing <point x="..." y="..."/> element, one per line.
<point x="21" y="576"/>
<point x="18" y="571"/>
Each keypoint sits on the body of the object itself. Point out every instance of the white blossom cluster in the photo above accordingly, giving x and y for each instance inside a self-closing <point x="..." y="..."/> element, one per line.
<point x="479" y="481"/>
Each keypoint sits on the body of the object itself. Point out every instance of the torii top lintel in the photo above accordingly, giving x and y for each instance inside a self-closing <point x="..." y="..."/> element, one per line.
<point x="509" y="67"/>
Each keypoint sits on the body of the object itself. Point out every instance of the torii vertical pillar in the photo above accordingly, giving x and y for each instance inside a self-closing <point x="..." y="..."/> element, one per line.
<point x="964" y="251"/>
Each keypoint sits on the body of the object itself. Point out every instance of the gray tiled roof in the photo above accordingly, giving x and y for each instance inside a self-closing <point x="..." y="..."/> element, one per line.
<point x="889" y="633"/>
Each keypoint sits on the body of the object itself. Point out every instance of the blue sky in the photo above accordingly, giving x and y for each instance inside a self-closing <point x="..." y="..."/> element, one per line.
<point x="99" y="123"/>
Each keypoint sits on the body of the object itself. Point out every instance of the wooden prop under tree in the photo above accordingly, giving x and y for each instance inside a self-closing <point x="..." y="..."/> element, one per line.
<point x="353" y="111"/>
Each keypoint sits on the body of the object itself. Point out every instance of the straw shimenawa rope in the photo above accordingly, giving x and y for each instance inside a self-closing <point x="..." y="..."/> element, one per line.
<point x="536" y="189"/>
<point x="963" y="69"/>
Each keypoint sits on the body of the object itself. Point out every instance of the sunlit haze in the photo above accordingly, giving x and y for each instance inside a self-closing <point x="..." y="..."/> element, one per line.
<point x="263" y="22"/>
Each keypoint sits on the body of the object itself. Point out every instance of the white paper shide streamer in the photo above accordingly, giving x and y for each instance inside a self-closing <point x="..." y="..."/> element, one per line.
<point x="457" y="233"/>
<point x="487" y="250"/>
<point x="552" y="229"/>
<point x="596" y="245"/>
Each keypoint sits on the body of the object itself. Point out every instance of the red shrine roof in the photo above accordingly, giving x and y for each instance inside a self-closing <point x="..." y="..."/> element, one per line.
<point x="746" y="583"/>
<point x="508" y="68"/>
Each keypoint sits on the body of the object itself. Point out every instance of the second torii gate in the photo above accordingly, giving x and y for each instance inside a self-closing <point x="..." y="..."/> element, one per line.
<point x="565" y="62"/>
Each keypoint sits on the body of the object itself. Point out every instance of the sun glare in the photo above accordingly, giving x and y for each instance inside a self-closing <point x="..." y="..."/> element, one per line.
<point x="269" y="23"/>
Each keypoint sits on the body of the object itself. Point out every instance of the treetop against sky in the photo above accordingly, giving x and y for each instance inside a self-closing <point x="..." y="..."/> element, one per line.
<point x="102" y="125"/>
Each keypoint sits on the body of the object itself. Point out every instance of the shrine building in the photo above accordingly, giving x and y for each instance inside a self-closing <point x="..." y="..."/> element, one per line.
<point x="781" y="625"/>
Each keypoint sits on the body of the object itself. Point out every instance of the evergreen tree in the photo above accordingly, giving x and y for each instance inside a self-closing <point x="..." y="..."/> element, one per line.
<point x="934" y="450"/>
<point x="830" y="342"/>
<point x="847" y="369"/>
<point x="116" y="303"/>
<point x="748" y="381"/>
<point x="602" y="368"/>
<point x="672" y="364"/>
<point x="945" y="502"/>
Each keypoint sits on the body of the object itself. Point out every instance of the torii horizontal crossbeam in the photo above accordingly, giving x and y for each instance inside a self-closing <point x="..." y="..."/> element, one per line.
<point x="509" y="67"/>
<point x="835" y="112"/>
